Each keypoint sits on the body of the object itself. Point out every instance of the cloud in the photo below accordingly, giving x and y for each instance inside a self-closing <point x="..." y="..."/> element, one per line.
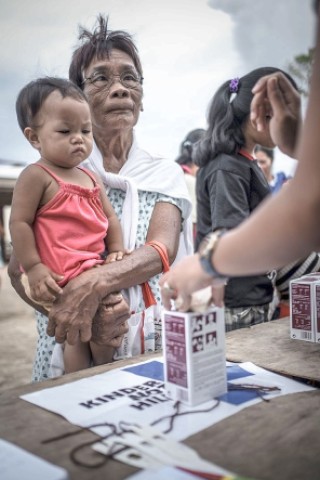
<point x="179" y="43"/>
<point x="269" y="32"/>
<point x="188" y="48"/>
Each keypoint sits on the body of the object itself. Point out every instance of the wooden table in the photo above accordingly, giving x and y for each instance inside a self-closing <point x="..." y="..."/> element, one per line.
<point x="271" y="440"/>
<point x="269" y="346"/>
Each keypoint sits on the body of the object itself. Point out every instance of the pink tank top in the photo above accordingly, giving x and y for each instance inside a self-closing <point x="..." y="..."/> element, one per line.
<point x="70" y="229"/>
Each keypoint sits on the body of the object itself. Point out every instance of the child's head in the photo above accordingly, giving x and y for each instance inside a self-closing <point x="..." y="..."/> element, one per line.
<point x="186" y="150"/>
<point x="229" y="114"/>
<point x="54" y="115"/>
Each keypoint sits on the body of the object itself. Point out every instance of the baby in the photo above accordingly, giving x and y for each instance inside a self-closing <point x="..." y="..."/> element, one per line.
<point x="62" y="222"/>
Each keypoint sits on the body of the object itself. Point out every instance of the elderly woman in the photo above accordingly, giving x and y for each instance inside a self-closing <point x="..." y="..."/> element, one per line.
<point x="153" y="206"/>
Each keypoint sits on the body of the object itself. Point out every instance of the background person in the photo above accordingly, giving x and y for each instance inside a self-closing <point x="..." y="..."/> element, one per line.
<point x="265" y="158"/>
<point x="294" y="212"/>
<point x="185" y="160"/>
<point x="231" y="185"/>
<point x="153" y="208"/>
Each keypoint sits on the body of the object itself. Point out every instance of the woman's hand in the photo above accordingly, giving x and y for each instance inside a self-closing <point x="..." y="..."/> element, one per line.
<point x="83" y="313"/>
<point x="277" y="92"/>
<point x="185" y="278"/>
<point x="72" y="313"/>
<point x="110" y="323"/>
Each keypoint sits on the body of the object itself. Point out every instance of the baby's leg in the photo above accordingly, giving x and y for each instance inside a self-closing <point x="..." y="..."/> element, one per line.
<point x="101" y="354"/>
<point x="76" y="357"/>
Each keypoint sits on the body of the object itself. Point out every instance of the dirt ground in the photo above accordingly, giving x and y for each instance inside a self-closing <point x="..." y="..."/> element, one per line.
<point x="17" y="337"/>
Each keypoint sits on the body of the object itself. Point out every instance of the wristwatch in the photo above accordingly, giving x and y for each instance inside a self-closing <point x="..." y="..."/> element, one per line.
<point x="206" y="249"/>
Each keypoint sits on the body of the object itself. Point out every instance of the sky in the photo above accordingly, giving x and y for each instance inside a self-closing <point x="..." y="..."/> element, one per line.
<point x="188" y="49"/>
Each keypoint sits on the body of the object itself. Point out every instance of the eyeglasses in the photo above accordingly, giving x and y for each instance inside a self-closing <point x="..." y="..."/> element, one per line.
<point x="105" y="80"/>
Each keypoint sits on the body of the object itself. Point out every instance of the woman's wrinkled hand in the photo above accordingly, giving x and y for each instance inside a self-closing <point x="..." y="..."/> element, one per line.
<point x="72" y="313"/>
<point x="110" y="322"/>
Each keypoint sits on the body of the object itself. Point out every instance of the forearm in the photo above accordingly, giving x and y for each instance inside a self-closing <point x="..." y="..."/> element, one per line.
<point x="144" y="262"/>
<point x="133" y="269"/>
<point x="114" y="239"/>
<point x="281" y="230"/>
<point x="24" y="244"/>
<point x="83" y="295"/>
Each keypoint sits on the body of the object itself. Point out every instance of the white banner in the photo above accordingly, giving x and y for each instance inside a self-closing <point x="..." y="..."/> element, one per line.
<point x="136" y="394"/>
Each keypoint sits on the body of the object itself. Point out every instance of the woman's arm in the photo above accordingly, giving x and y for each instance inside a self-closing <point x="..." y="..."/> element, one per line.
<point x="72" y="313"/>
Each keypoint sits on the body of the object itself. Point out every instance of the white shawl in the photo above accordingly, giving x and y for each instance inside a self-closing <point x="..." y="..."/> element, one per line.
<point x="145" y="172"/>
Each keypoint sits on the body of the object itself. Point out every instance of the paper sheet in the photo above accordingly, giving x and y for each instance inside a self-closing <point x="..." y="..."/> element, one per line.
<point x="136" y="394"/>
<point x="18" y="464"/>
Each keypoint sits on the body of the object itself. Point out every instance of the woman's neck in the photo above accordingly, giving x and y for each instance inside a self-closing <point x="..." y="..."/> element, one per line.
<point x="249" y="148"/>
<point x="114" y="148"/>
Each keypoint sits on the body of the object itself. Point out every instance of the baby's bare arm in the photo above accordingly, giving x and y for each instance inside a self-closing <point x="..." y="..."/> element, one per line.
<point x="27" y="196"/>
<point x="114" y="238"/>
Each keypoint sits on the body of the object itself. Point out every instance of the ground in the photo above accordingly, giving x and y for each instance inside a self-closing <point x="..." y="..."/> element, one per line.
<point x="17" y="337"/>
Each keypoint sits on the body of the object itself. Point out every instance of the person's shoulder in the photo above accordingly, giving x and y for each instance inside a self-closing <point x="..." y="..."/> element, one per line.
<point x="228" y="162"/>
<point x="32" y="170"/>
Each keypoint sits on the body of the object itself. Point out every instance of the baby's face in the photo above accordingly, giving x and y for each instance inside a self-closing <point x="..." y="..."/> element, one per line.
<point x="64" y="131"/>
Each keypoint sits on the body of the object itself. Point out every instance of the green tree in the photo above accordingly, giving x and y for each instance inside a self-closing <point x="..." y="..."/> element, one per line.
<point x="301" y="69"/>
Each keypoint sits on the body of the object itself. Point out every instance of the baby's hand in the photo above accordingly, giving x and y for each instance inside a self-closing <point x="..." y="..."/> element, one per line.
<point x="43" y="283"/>
<point x="114" y="256"/>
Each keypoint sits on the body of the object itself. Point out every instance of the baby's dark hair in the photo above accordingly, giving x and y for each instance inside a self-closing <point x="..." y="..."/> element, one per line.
<point x="229" y="109"/>
<point x="33" y="95"/>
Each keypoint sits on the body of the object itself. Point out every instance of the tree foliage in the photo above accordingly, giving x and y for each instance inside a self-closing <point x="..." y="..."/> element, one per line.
<point x="301" y="69"/>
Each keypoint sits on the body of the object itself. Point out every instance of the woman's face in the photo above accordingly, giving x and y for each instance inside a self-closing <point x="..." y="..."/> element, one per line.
<point x="114" y="106"/>
<point x="264" y="162"/>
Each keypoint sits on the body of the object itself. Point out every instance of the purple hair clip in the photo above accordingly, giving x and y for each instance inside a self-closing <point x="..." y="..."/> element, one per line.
<point x="234" y="85"/>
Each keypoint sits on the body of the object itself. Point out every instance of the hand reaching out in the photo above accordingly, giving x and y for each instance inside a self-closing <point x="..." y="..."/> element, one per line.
<point x="186" y="278"/>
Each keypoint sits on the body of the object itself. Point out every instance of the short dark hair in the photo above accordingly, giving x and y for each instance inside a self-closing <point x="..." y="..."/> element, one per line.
<point x="98" y="44"/>
<point x="33" y="95"/>
<point x="226" y="116"/>
<point x="187" y="146"/>
<point x="268" y="151"/>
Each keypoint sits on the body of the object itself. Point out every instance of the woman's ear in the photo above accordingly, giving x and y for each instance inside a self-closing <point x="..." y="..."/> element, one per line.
<point x="32" y="137"/>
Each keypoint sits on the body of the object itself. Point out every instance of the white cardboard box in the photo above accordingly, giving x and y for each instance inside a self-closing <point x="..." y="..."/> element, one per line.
<point x="305" y="308"/>
<point x="194" y="355"/>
